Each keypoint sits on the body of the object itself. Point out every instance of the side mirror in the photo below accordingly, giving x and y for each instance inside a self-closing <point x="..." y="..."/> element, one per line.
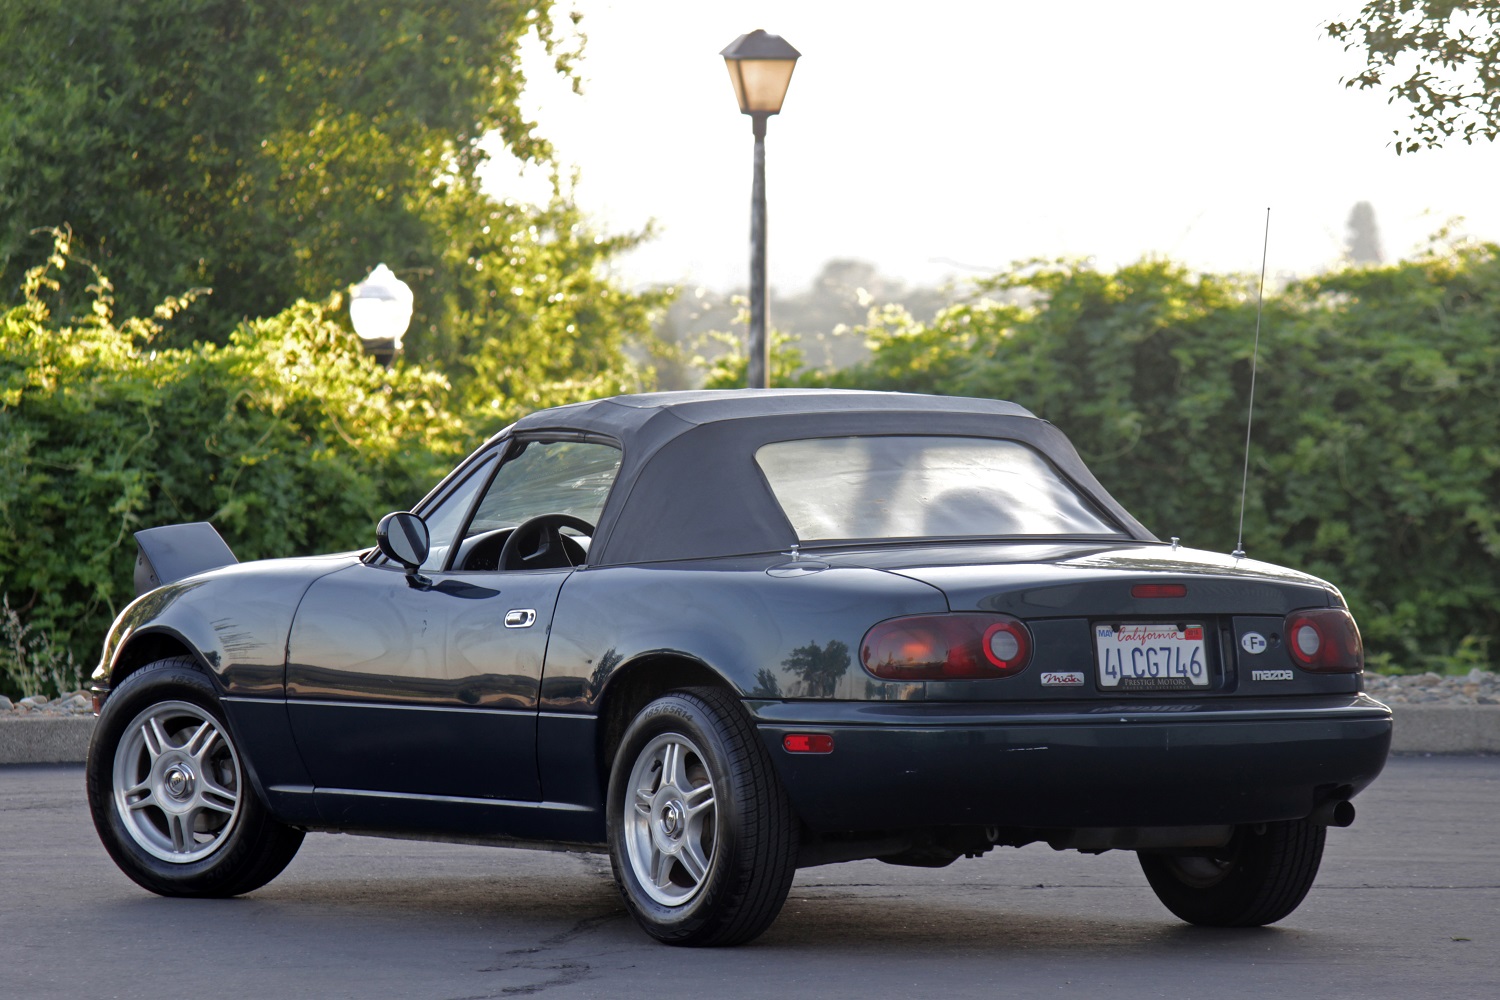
<point x="403" y="538"/>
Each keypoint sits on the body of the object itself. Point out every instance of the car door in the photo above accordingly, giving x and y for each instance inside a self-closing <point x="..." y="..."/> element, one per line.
<point x="429" y="686"/>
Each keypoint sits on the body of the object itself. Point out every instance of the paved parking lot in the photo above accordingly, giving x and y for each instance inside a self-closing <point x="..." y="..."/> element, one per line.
<point x="1407" y="906"/>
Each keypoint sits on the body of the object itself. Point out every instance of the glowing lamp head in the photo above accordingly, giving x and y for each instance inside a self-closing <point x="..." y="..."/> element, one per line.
<point x="760" y="67"/>
<point x="380" y="308"/>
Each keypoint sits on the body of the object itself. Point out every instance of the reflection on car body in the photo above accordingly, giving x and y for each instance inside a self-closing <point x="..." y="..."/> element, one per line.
<point x="725" y="635"/>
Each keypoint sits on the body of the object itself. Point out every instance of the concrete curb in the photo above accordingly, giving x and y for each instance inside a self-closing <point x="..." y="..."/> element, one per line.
<point x="46" y="739"/>
<point x="1419" y="729"/>
<point x="1446" y="729"/>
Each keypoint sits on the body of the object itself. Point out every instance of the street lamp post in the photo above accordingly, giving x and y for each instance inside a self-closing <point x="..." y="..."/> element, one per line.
<point x="380" y="309"/>
<point x="760" y="67"/>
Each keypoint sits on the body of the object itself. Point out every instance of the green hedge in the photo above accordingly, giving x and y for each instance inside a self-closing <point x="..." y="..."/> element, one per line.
<point x="288" y="439"/>
<point x="1376" y="445"/>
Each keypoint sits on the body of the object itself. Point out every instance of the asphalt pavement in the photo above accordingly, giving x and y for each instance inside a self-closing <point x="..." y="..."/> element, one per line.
<point x="1407" y="906"/>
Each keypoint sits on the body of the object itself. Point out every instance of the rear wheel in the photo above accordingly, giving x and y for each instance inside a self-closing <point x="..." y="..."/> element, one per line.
<point x="169" y="792"/>
<point x="700" y="831"/>
<point x="1262" y="875"/>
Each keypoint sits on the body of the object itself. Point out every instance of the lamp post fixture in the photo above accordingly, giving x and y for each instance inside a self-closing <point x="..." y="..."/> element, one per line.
<point x="760" y="67"/>
<point x="380" y="309"/>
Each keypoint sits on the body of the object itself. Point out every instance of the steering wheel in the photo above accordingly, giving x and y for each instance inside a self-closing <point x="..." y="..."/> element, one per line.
<point x="538" y="543"/>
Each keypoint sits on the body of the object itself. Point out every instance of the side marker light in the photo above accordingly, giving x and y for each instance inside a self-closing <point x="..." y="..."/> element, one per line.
<point x="807" y="743"/>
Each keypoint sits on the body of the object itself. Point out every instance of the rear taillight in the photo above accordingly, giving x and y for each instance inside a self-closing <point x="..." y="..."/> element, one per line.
<point x="946" y="647"/>
<point x="1325" y="640"/>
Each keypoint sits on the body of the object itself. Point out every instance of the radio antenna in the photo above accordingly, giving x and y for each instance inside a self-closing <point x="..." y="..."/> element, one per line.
<point x="1260" y="305"/>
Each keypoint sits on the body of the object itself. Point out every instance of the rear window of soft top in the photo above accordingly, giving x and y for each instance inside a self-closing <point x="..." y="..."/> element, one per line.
<point x="909" y="486"/>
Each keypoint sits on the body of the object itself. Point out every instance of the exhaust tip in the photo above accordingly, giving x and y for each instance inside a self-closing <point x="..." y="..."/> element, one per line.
<point x="1336" y="812"/>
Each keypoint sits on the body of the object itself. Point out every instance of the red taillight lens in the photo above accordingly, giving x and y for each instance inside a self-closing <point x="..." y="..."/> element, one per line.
<point x="946" y="647"/>
<point x="1325" y="640"/>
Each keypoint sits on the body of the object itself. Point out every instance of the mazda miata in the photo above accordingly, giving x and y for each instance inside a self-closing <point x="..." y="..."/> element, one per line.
<point x="726" y="635"/>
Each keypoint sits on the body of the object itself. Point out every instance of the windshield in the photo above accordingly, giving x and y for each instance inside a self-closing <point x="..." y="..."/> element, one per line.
<point x="924" y="487"/>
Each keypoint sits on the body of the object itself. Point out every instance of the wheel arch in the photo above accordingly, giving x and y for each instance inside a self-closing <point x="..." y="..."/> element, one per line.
<point x="635" y="684"/>
<point x="158" y="642"/>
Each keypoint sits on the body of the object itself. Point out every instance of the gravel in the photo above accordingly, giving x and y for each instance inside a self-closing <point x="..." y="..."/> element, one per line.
<point x="72" y="703"/>
<point x="1477" y="687"/>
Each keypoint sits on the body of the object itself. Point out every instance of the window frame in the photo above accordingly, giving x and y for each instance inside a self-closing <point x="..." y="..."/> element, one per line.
<point x="513" y="447"/>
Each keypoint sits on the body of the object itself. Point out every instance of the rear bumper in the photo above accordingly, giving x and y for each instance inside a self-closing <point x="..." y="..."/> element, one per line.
<point x="918" y="765"/>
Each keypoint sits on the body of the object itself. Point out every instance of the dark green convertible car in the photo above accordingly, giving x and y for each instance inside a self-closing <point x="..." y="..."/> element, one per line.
<point x="727" y="635"/>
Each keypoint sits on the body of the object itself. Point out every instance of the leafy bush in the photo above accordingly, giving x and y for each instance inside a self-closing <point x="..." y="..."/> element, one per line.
<point x="29" y="662"/>
<point x="1376" y="445"/>
<point x="289" y="439"/>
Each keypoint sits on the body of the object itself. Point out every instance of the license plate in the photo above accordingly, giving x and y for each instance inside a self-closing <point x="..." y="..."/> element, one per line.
<point x="1151" y="657"/>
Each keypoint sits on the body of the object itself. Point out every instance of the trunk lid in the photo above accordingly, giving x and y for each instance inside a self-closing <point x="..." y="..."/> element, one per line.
<point x="1097" y="637"/>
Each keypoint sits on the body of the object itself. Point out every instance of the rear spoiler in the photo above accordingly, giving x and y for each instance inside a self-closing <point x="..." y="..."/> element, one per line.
<point x="175" y="551"/>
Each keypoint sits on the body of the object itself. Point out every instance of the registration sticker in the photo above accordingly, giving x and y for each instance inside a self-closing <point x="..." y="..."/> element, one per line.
<point x="1153" y="656"/>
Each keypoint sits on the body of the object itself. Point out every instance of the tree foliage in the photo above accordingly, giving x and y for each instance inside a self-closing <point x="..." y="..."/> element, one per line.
<point x="289" y="439"/>
<point x="231" y="166"/>
<point x="1376" y="445"/>
<point x="1442" y="57"/>
<point x="536" y="321"/>
<point x="269" y="150"/>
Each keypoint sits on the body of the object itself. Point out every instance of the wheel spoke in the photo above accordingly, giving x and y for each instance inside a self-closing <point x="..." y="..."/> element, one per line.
<point x="661" y="869"/>
<point x="201" y="741"/>
<point x="155" y="737"/>
<point x="698" y="799"/>
<point x="182" y="835"/>
<point x="672" y="764"/>
<point x="693" y="859"/>
<point x="140" y="796"/>
<point x="643" y="798"/>
<point x="215" y="797"/>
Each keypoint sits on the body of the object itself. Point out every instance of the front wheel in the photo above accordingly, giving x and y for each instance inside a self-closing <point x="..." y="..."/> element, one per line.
<point x="1262" y="875"/>
<point x="169" y="792"/>
<point x="700" y="831"/>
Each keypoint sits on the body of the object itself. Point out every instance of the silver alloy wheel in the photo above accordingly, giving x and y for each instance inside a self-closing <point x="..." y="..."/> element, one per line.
<point x="177" y="782"/>
<point x="671" y="828"/>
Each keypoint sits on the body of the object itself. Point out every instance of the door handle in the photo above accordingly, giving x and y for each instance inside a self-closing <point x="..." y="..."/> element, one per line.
<point x="520" y="618"/>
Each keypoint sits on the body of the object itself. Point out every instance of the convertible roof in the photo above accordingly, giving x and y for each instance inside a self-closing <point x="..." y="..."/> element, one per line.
<point x="688" y="484"/>
<point x="650" y="419"/>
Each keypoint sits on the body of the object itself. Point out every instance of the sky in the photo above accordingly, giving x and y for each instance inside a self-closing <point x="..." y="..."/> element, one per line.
<point x="946" y="139"/>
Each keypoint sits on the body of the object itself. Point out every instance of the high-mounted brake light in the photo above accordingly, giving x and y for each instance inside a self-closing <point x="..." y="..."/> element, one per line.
<point x="946" y="647"/>
<point x="1159" y="590"/>
<point x="1325" y="640"/>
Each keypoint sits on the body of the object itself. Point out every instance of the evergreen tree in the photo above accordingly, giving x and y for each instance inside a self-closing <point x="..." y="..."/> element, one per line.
<point x="1364" y="235"/>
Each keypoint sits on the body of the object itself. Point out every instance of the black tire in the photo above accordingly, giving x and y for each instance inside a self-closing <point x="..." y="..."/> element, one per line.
<point x="704" y="855"/>
<point x="170" y="793"/>
<point x="1262" y="875"/>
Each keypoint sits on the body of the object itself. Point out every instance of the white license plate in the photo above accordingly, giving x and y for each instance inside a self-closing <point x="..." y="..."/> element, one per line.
<point x="1152" y="657"/>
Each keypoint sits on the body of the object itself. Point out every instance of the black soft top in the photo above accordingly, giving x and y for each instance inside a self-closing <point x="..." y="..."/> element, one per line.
<point x="689" y="488"/>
